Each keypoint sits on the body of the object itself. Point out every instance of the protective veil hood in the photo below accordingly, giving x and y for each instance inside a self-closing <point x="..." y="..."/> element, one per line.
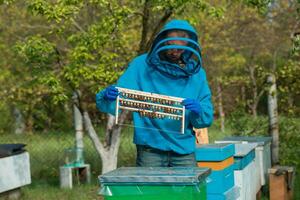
<point x="190" y="59"/>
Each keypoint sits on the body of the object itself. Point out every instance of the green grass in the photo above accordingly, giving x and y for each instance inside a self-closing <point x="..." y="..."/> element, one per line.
<point x="44" y="191"/>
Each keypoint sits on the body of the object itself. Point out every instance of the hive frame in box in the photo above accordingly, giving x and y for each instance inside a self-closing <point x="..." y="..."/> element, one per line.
<point x="150" y="105"/>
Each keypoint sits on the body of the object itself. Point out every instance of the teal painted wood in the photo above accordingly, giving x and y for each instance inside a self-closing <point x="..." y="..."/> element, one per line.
<point x="220" y="181"/>
<point x="214" y="152"/>
<point x="244" y="154"/>
<point x="242" y="162"/>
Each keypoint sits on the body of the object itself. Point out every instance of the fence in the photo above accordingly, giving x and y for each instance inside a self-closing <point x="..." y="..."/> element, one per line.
<point x="47" y="152"/>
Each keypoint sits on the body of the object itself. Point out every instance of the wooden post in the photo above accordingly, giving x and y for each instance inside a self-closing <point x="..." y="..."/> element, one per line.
<point x="201" y="136"/>
<point x="281" y="183"/>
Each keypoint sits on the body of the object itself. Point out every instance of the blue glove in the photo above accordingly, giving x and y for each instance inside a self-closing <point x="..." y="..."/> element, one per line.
<point x="192" y="105"/>
<point x="111" y="93"/>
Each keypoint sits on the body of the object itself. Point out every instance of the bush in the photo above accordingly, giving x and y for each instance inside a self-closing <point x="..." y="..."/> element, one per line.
<point x="243" y="124"/>
<point x="289" y="141"/>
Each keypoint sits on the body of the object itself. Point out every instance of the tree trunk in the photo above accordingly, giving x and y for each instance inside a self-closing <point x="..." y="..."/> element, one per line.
<point x="253" y="105"/>
<point x="290" y="101"/>
<point x="145" y="23"/>
<point x="273" y="118"/>
<point x="109" y="162"/>
<point x="109" y="129"/>
<point x="19" y="125"/>
<point x="256" y="94"/>
<point x="146" y="40"/>
<point x="109" y="153"/>
<point x="29" y="121"/>
<point x="220" y="106"/>
<point x="78" y="124"/>
<point x="243" y="94"/>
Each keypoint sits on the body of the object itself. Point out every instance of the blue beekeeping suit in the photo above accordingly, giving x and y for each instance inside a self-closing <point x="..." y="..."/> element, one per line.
<point x="158" y="72"/>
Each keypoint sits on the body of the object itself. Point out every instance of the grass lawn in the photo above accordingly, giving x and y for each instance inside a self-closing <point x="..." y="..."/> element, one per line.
<point x="45" y="191"/>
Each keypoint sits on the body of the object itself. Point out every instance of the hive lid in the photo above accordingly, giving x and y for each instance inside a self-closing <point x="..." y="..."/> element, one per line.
<point x="249" y="139"/>
<point x="214" y="152"/>
<point x="242" y="150"/>
<point x="11" y="149"/>
<point x="155" y="175"/>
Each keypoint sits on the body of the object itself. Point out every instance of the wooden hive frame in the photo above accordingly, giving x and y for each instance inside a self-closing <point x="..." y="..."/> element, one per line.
<point x="150" y="105"/>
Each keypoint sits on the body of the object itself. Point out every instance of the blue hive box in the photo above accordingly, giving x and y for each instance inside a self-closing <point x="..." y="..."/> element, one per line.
<point x="231" y="194"/>
<point x="220" y="181"/>
<point x="244" y="154"/>
<point x="214" y="152"/>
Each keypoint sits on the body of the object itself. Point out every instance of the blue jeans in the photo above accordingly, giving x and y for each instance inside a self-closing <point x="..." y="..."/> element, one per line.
<point x="150" y="157"/>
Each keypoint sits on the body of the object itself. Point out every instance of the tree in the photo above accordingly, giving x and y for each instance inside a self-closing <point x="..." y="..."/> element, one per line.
<point x="16" y="86"/>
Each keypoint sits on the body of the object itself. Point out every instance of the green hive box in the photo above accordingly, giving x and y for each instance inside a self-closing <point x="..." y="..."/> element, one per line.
<point x="154" y="183"/>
